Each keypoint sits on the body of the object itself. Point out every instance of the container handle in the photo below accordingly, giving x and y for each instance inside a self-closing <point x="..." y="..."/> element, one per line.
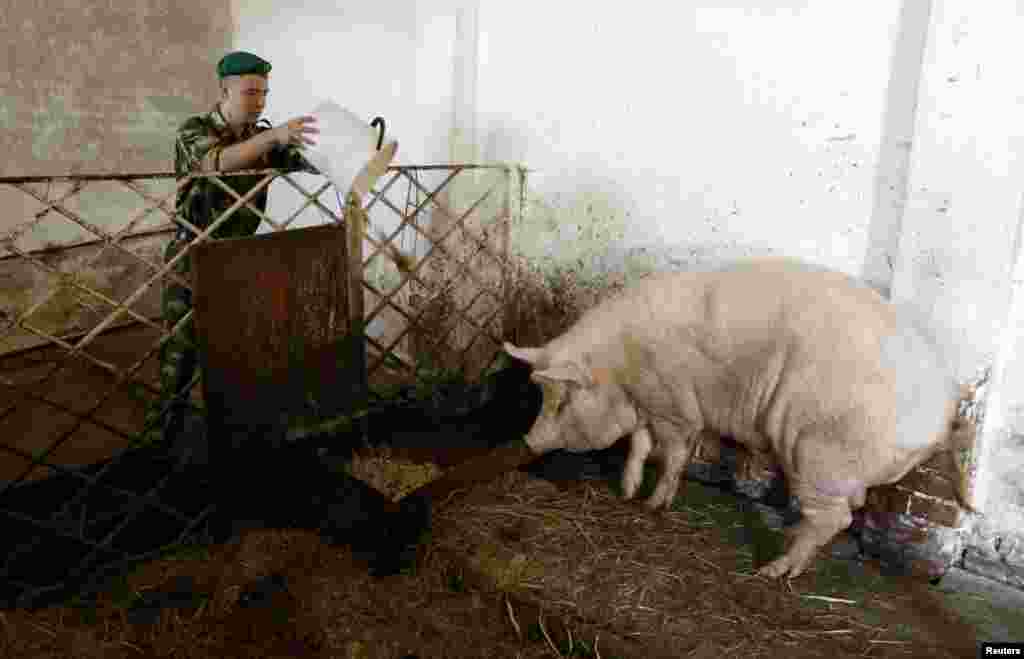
<point x="380" y="137"/>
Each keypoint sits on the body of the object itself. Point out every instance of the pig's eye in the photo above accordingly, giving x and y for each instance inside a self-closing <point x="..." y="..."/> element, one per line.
<point x="562" y="404"/>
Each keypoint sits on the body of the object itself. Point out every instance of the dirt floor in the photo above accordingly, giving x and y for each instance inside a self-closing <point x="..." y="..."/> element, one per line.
<point x="519" y="567"/>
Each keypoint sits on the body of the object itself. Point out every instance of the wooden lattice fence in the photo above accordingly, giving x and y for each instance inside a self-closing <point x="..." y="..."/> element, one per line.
<point x="81" y="329"/>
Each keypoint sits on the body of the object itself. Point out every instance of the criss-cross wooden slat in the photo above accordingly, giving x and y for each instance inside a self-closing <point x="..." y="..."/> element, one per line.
<point x="311" y="199"/>
<point x="6" y="382"/>
<point x="466" y="230"/>
<point x="481" y="328"/>
<point x="463" y="266"/>
<point x="397" y="308"/>
<point x="440" y="340"/>
<point x="375" y="195"/>
<point x="154" y="204"/>
<point x="385" y="352"/>
<point x="415" y="323"/>
<point x="435" y="243"/>
<point x="414" y="214"/>
<point x="202" y="236"/>
<point x="466" y="321"/>
<point x="122" y="377"/>
<point x="160" y="272"/>
<point x="445" y="251"/>
<point x="71" y="280"/>
<point x="412" y="274"/>
<point x="112" y="317"/>
<point x="109" y="240"/>
<point x="469" y="345"/>
<point x="21" y="230"/>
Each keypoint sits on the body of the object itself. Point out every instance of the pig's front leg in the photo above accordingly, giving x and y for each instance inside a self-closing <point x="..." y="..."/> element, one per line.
<point x="824" y="516"/>
<point x="633" y="473"/>
<point x="675" y="446"/>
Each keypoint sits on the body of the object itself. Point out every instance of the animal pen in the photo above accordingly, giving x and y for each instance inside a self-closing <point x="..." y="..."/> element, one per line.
<point x="303" y="327"/>
<point x="79" y="346"/>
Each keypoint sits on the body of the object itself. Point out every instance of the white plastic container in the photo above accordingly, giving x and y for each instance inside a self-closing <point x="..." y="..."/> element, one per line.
<point x="346" y="149"/>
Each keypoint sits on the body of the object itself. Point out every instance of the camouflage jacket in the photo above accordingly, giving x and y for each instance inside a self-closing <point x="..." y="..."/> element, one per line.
<point x="202" y="200"/>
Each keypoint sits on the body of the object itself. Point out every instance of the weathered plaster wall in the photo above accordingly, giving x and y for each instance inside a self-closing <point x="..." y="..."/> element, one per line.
<point x="959" y="258"/>
<point x="96" y="88"/>
<point x="688" y="126"/>
<point x="100" y="88"/>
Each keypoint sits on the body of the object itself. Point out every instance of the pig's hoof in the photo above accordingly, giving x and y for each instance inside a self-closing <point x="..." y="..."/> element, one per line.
<point x="629" y="488"/>
<point x="780" y="567"/>
<point x="655" y="504"/>
<point x="774" y="570"/>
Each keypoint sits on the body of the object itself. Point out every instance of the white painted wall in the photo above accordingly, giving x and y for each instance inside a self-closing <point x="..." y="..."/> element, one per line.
<point x="752" y="125"/>
<point x="960" y="249"/>
<point x="879" y="138"/>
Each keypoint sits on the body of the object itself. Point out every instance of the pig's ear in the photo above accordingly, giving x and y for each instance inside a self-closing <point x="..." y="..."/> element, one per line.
<point x="565" y="372"/>
<point x="536" y="357"/>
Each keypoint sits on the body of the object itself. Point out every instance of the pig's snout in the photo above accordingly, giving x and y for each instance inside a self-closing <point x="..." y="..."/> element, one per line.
<point x="544" y="436"/>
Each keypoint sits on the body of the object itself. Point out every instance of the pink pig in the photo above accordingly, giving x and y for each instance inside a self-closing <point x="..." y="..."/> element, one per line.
<point x="803" y="365"/>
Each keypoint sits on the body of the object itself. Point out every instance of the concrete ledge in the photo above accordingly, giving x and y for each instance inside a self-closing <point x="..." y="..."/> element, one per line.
<point x="997" y="570"/>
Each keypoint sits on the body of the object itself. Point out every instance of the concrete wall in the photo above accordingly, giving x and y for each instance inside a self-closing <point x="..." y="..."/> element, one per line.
<point x="675" y="127"/>
<point x="960" y="248"/>
<point x="100" y="88"/>
<point x="95" y="89"/>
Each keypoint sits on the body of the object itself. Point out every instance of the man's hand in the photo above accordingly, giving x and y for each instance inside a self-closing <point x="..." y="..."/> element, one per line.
<point x="248" y="153"/>
<point x="294" y="131"/>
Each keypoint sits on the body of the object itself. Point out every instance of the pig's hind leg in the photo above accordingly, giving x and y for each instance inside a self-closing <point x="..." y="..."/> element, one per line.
<point x="824" y="515"/>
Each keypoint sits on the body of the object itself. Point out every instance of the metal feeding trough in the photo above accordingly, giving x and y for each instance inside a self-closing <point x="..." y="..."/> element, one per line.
<point x="279" y="325"/>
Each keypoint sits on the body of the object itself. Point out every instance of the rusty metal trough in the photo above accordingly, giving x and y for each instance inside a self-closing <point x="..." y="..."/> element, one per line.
<point x="280" y="329"/>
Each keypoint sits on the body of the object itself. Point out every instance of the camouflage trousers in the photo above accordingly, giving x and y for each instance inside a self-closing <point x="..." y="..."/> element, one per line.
<point x="178" y="356"/>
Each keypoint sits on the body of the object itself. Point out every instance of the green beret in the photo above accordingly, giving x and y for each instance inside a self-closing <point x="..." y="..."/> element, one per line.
<point x="240" y="63"/>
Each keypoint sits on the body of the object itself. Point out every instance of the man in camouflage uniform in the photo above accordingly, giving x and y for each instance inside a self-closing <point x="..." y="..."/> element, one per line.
<point x="227" y="138"/>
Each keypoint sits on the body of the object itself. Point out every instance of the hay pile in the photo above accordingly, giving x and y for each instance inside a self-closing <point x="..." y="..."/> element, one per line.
<point x="389" y="474"/>
<point x="675" y="581"/>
